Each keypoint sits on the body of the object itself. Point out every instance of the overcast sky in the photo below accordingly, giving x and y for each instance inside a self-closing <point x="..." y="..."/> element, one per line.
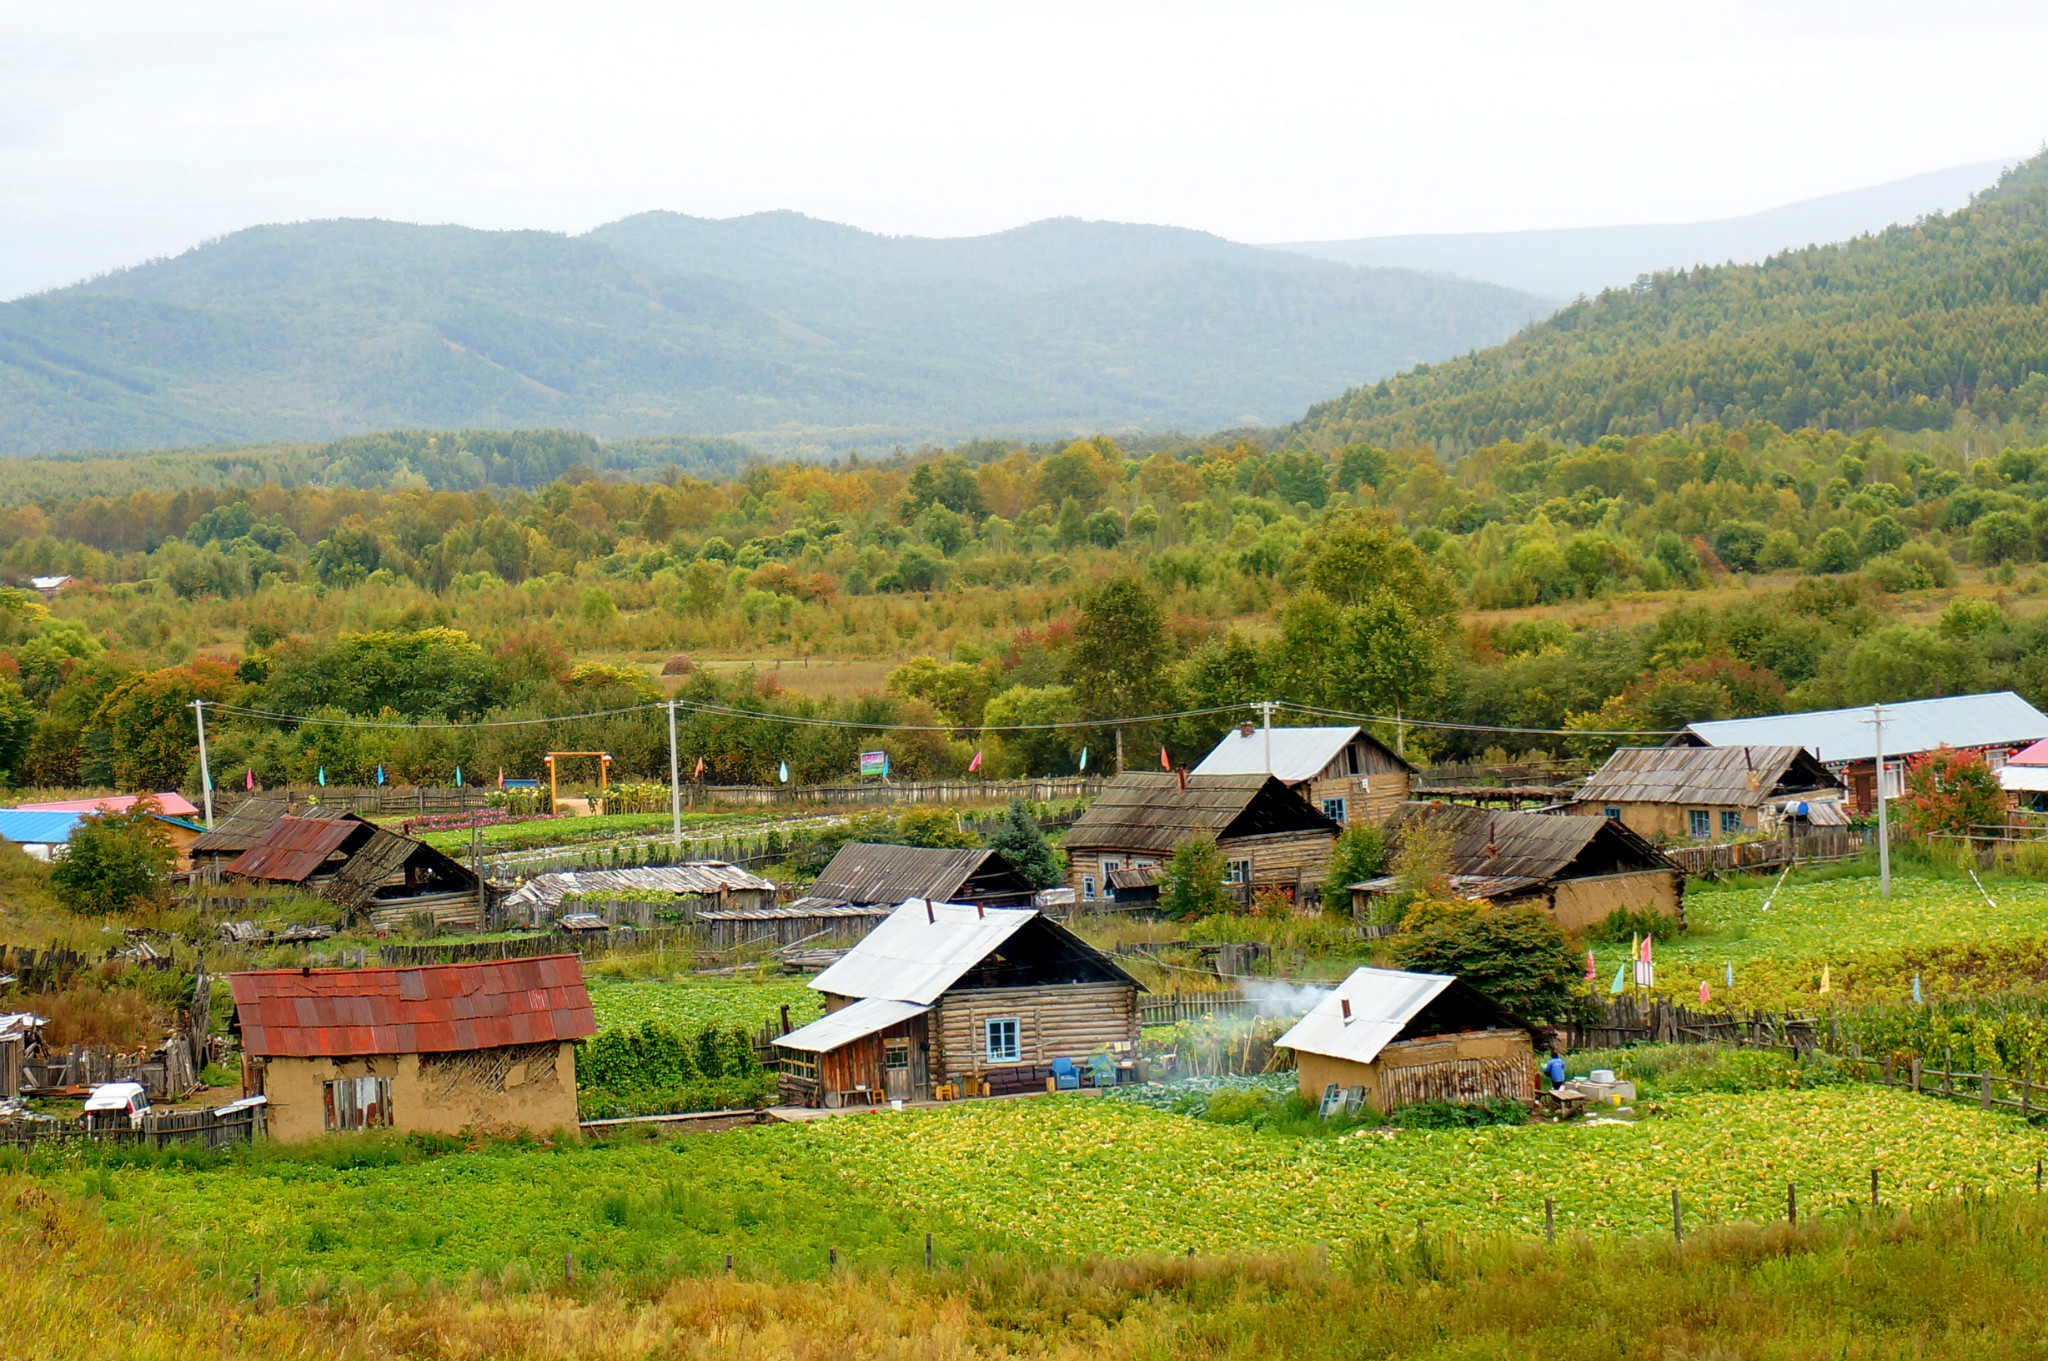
<point x="136" y="129"/>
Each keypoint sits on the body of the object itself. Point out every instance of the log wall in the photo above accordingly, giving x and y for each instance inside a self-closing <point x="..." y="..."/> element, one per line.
<point x="1066" y="1020"/>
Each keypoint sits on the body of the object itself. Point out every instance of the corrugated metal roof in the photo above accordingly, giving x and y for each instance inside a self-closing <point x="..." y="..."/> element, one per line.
<point x="2035" y="755"/>
<point x="1841" y="735"/>
<point x="852" y="1022"/>
<point x="1736" y="776"/>
<point x="866" y="872"/>
<point x="244" y="827"/>
<point x="294" y="849"/>
<point x="1382" y="1001"/>
<point x="1146" y="812"/>
<point x="1297" y="753"/>
<point x="698" y="878"/>
<point x="802" y="907"/>
<point x="177" y="805"/>
<point x="26" y="827"/>
<point x="1493" y="844"/>
<point x="2025" y="779"/>
<point x="914" y="956"/>
<point x="438" y="1008"/>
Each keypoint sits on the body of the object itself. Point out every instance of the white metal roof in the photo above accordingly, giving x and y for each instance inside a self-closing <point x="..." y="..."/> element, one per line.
<point x="920" y="950"/>
<point x="850" y="1023"/>
<point x="1298" y="753"/>
<point x="2026" y="779"/>
<point x="1841" y="735"/>
<point x="700" y="877"/>
<point x="1382" y="1001"/>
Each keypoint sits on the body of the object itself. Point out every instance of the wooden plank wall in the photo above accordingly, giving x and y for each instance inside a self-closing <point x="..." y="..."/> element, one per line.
<point x="1066" y="1020"/>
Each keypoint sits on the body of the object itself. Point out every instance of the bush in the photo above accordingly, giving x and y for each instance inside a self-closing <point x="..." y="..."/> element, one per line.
<point x="1359" y="855"/>
<point x="115" y="861"/>
<point x="1515" y="955"/>
<point x="1025" y="845"/>
<point x="1497" y="1110"/>
<point x="656" y="1068"/>
<point x="1622" y="924"/>
<point x="1191" y="882"/>
<point x="1834" y="551"/>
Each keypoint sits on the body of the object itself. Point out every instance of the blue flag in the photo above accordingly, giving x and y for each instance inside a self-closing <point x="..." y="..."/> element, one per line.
<point x="1731" y="973"/>
<point x="1916" y="990"/>
<point x="322" y="777"/>
<point x="1620" y="977"/>
<point x="380" y="774"/>
<point x="1084" y="758"/>
<point x="458" y="777"/>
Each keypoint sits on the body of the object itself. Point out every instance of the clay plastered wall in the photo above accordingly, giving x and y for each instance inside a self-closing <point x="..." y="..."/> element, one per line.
<point x="1579" y="903"/>
<point x="1468" y="1067"/>
<point x="519" y="1087"/>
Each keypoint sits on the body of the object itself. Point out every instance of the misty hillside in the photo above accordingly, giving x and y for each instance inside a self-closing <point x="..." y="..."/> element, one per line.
<point x="1915" y="328"/>
<point x="780" y="329"/>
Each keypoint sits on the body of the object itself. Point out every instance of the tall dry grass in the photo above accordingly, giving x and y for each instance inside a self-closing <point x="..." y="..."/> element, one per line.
<point x="1960" y="1280"/>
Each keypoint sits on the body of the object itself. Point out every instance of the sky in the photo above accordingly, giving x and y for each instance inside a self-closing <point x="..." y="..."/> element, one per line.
<point x="131" y="130"/>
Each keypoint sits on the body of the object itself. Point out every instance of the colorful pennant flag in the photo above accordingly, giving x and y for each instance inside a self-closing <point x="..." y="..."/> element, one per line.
<point x="322" y="777"/>
<point x="698" y="773"/>
<point x="785" y="772"/>
<point x="1165" y="761"/>
<point x="380" y="774"/>
<point x="1084" y="758"/>
<point x="1730" y="966"/>
<point x="1591" y="976"/>
<point x="458" y="777"/>
<point x="1703" y="992"/>
<point x="250" y="779"/>
<point x="1916" y="991"/>
<point x="1620" y="978"/>
<point x="1825" y="985"/>
<point x="975" y="764"/>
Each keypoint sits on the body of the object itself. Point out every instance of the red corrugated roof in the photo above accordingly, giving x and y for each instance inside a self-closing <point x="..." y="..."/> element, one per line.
<point x="298" y="1013"/>
<point x="295" y="848"/>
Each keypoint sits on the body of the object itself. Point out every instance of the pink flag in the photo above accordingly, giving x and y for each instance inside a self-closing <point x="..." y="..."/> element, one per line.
<point x="975" y="764"/>
<point x="250" y="779"/>
<point x="1590" y="974"/>
<point x="1703" y="992"/>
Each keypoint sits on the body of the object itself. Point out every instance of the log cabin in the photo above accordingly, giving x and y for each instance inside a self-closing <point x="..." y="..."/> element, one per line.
<point x="1383" y="1039"/>
<point x="1346" y="772"/>
<point x="1270" y="836"/>
<point x="865" y="882"/>
<point x="1578" y="869"/>
<point x="1706" y="794"/>
<point x="948" y="995"/>
<point x="373" y="874"/>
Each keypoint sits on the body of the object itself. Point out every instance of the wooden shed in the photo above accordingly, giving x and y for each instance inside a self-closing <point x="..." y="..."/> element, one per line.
<point x="482" y="1048"/>
<point x="1346" y="772"/>
<point x="1385" y="1039"/>
<point x="1578" y="868"/>
<point x="865" y="882"/>
<point x="1705" y="794"/>
<point x="688" y="892"/>
<point x="952" y="993"/>
<point x="373" y="874"/>
<point x="1269" y="834"/>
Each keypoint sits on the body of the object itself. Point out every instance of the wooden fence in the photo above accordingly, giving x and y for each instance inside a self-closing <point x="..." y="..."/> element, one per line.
<point x="552" y="943"/>
<point x="1048" y="790"/>
<point x="417" y="799"/>
<point x="1173" y="1008"/>
<point x="1987" y="1090"/>
<point x="1812" y="847"/>
<point x="158" y="1130"/>
<point x="1626" y="1020"/>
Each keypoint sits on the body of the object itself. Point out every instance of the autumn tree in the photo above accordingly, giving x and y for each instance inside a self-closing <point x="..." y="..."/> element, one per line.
<point x="1951" y="793"/>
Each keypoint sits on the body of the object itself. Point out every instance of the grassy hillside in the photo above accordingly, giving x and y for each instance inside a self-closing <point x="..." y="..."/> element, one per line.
<point x="1917" y="328"/>
<point x="806" y="334"/>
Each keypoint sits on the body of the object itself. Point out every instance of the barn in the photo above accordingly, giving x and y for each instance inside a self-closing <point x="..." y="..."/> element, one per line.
<point x="863" y="884"/>
<point x="1579" y="869"/>
<point x="1270" y="836"/>
<point x="967" y="997"/>
<point x="484" y="1048"/>
<point x="1385" y="1039"/>
<point x="1346" y="772"/>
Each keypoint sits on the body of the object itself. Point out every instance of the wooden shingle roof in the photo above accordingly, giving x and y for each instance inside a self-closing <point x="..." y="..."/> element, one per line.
<point x="1741" y="777"/>
<point x="1537" y="847"/>
<point x="380" y="858"/>
<point x="1146" y="812"/>
<point x="871" y="872"/>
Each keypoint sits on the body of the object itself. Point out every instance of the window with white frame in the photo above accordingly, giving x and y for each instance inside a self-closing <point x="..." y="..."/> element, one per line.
<point x="1088" y="886"/>
<point x="1111" y="865"/>
<point x="1333" y="809"/>
<point x="1000" y="1036"/>
<point x="1240" y="872"/>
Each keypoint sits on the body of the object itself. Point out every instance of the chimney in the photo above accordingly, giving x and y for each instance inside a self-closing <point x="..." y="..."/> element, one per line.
<point x="1246" y="729"/>
<point x="1345" y="1002"/>
<point x="1182" y="771"/>
<point x="929" y="915"/>
<point x="979" y="912"/>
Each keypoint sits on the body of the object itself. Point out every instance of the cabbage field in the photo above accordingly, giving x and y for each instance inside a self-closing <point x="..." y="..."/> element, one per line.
<point x="691" y="1004"/>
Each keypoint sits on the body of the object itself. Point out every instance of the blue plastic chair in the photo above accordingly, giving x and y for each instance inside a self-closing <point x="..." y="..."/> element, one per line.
<point x="1064" y="1075"/>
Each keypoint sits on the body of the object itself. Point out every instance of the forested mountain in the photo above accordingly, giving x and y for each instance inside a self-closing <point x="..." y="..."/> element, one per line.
<point x="1567" y="261"/>
<point x="794" y="333"/>
<point x="1917" y="328"/>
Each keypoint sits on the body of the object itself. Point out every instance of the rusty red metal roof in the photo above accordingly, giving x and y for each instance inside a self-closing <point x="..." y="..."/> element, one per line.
<point x="437" y="1008"/>
<point x="295" y="848"/>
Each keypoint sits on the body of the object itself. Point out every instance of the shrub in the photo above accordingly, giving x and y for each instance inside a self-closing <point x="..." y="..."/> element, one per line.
<point x="1497" y="1110"/>
<point x="1622" y="924"/>
<point x="1191" y="883"/>
<point x="115" y="861"/>
<point x="1950" y="791"/>
<point x="1359" y="855"/>
<point x="1025" y="845"/>
<point x="1834" y="551"/>
<point x="1515" y="955"/>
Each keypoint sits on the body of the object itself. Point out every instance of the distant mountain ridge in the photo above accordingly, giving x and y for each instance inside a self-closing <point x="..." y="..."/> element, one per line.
<point x="1564" y="262"/>
<point x="1915" y="328"/>
<point x="788" y="332"/>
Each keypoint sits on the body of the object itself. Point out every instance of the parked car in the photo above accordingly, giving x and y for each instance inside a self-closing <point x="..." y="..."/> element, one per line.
<point x="110" y="1101"/>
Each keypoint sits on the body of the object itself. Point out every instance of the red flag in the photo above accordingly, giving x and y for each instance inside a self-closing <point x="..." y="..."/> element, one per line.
<point x="698" y="774"/>
<point x="1165" y="761"/>
<point x="501" y="777"/>
<point x="975" y="764"/>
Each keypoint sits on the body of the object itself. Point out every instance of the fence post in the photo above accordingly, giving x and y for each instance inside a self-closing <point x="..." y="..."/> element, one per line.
<point x="1792" y="1203"/>
<point x="1677" y="1221"/>
<point x="1948" y="1072"/>
<point x="1983" y="1091"/>
<point x="1550" y="1216"/>
<point x="1873" y="1188"/>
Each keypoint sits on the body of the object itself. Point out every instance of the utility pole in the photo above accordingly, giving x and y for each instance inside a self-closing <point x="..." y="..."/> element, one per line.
<point x="675" y="782"/>
<point x="205" y="775"/>
<point x="1266" y="711"/>
<point x="1884" y="841"/>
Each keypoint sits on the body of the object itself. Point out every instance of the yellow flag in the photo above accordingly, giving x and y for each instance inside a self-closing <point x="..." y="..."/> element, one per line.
<point x="1824" y="978"/>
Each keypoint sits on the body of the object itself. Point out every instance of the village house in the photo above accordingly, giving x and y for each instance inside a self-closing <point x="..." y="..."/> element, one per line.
<point x="374" y="875"/>
<point x="43" y="833"/>
<point x="241" y="828"/>
<point x="1712" y="794"/>
<point x="1578" y="869"/>
<point x="1270" y="836"/>
<point x="2024" y="778"/>
<point x="628" y="896"/>
<point x="1844" y="740"/>
<point x="1346" y="772"/>
<point x="486" y="1048"/>
<point x="864" y="883"/>
<point x="1385" y="1039"/>
<point x="950" y="999"/>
